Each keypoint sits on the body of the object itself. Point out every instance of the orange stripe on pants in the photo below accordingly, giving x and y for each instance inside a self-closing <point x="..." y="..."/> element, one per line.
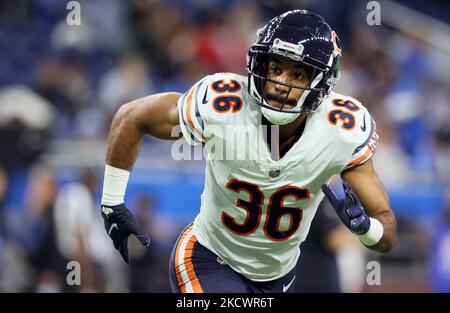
<point x="190" y="266"/>
<point x="177" y="266"/>
<point x="187" y="260"/>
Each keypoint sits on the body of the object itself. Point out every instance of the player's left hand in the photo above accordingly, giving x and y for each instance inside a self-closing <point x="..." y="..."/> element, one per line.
<point x="120" y="224"/>
<point x="349" y="210"/>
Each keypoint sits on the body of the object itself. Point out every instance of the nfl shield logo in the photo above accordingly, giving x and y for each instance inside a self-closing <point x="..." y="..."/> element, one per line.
<point x="274" y="172"/>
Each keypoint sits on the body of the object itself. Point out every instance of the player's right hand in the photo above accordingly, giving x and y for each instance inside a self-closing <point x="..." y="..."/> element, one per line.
<point x="119" y="225"/>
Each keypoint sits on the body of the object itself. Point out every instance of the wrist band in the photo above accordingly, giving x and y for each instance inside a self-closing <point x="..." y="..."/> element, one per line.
<point x="374" y="233"/>
<point x="114" y="185"/>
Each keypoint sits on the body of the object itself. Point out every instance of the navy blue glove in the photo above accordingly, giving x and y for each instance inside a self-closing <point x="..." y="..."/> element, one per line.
<point x="119" y="225"/>
<point x="349" y="210"/>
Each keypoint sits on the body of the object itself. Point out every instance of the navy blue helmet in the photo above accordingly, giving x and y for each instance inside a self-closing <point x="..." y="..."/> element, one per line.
<point x="301" y="36"/>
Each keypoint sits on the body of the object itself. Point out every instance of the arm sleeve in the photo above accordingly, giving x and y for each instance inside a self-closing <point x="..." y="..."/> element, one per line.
<point x="191" y="113"/>
<point x="368" y="144"/>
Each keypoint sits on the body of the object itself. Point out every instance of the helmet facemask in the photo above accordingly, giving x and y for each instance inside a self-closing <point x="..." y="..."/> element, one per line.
<point x="309" y="100"/>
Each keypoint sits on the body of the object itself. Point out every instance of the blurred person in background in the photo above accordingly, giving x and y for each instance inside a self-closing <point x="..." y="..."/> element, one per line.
<point x="78" y="230"/>
<point x="15" y="273"/>
<point x="129" y="80"/>
<point x="25" y="124"/>
<point x="63" y="82"/>
<point x="33" y="228"/>
<point x="154" y="24"/>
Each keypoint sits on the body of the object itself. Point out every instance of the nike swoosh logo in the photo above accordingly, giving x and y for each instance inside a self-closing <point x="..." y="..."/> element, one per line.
<point x="113" y="225"/>
<point x="285" y="288"/>
<point x="363" y="128"/>
<point x="204" y="101"/>
<point x="106" y="210"/>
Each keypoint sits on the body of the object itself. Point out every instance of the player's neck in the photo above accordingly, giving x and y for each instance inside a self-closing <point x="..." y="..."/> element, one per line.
<point x="285" y="136"/>
<point x="289" y="130"/>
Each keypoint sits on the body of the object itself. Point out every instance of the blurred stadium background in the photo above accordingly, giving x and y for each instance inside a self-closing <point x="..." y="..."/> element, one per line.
<point x="60" y="86"/>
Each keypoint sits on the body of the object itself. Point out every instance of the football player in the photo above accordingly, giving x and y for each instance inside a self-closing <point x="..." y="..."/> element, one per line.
<point x="255" y="212"/>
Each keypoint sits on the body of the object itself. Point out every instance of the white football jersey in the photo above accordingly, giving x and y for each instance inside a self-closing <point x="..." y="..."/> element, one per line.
<point x="255" y="211"/>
